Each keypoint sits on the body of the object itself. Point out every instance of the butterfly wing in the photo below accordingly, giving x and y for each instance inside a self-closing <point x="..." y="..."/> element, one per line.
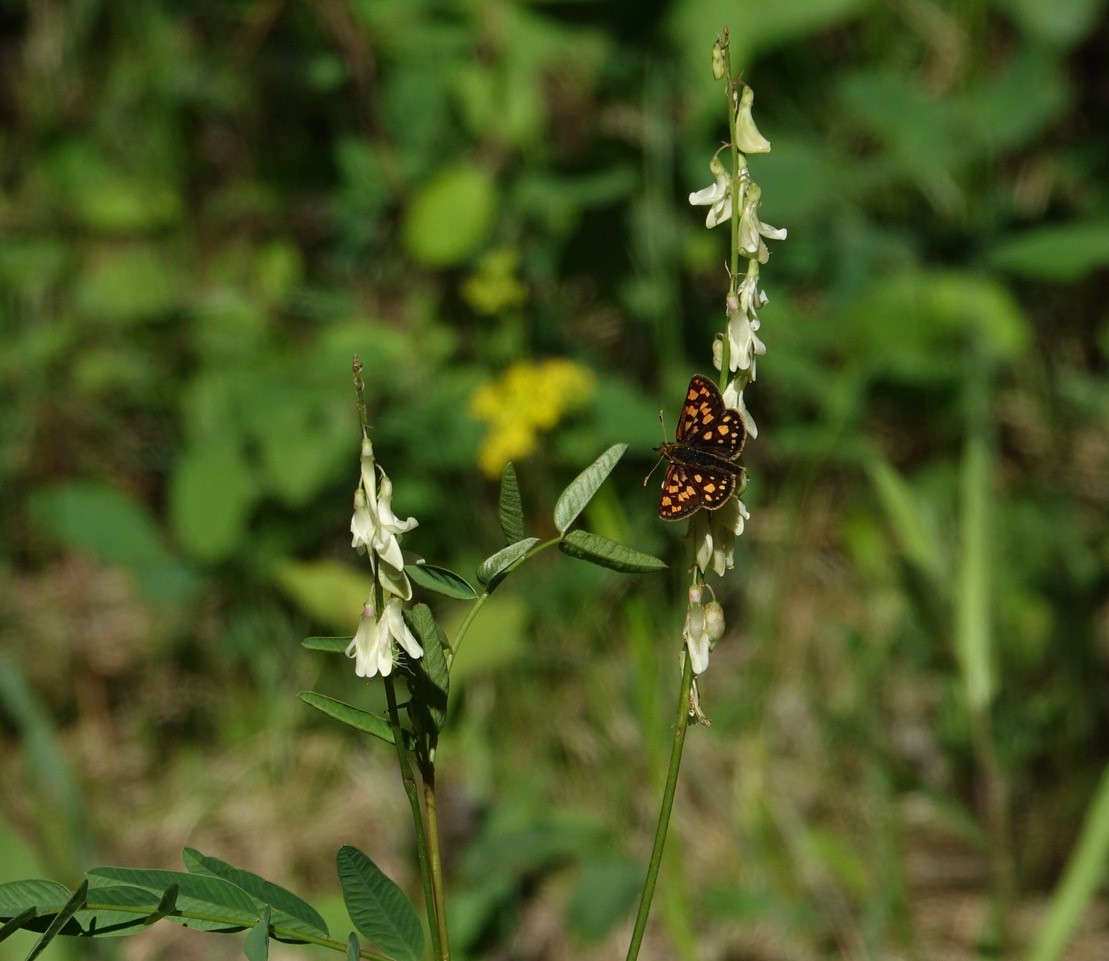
<point x="679" y="497"/>
<point x="712" y="487"/>
<point x="708" y="425"/>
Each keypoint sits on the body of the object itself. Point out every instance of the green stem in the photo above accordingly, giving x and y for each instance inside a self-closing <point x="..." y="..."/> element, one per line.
<point x="437" y="887"/>
<point x="484" y="596"/>
<point x="680" y="727"/>
<point x="410" y="789"/>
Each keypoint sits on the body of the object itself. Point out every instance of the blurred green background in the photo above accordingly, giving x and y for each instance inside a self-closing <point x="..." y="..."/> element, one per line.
<point x="207" y="208"/>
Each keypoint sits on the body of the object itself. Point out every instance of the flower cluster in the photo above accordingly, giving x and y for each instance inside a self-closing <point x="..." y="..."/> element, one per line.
<point x="375" y="530"/>
<point x="527" y="398"/>
<point x="704" y="625"/>
<point x="733" y="197"/>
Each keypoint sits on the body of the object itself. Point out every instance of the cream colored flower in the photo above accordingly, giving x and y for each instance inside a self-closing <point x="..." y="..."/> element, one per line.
<point x="714" y="533"/>
<point x="372" y="646"/>
<point x="704" y="625"/>
<point x="374" y="527"/>
<point x="717" y="196"/>
<point x="752" y="230"/>
<point x="747" y="136"/>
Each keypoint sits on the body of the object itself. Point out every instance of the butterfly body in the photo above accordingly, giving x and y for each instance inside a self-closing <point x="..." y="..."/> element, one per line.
<point x="707" y="443"/>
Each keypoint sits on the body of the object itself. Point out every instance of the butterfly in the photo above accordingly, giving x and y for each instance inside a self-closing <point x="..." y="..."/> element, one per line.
<point x="703" y="471"/>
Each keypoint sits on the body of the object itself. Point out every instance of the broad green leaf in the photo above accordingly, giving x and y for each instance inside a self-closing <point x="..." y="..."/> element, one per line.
<point x="580" y="492"/>
<point x="1061" y="253"/>
<point x="99" y="520"/>
<point x="47" y="896"/>
<point x="493" y="568"/>
<point x="379" y="909"/>
<point x="606" y="553"/>
<point x="441" y="580"/>
<point x="291" y="914"/>
<point x="449" y="218"/>
<point x="211" y="495"/>
<point x="205" y="903"/>
<point x="1059" y="23"/>
<point x="330" y="592"/>
<point x="127" y="284"/>
<point x="606" y="892"/>
<point x="115" y="910"/>
<point x="510" y="507"/>
<point x="257" y="944"/>
<point x="332" y="645"/>
<point x="114" y="528"/>
<point x="433" y="691"/>
<point x="352" y="716"/>
<point x="60" y="920"/>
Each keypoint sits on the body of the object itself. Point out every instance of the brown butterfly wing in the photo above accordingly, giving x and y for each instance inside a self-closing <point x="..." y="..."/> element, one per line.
<point x="679" y="497"/>
<point x="706" y="424"/>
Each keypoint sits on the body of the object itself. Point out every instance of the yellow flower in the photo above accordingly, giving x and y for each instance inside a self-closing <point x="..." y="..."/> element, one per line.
<point x="527" y="398"/>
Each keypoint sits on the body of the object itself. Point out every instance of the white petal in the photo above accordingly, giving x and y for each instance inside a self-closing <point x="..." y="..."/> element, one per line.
<point x="394" y="580"/>
<point x="698" y="652"/>
<point x="748" y="138"/>
<point x="399" y="629"/>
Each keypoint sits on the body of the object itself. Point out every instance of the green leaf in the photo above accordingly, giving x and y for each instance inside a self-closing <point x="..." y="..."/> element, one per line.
<point x="115" y="910"/>
<point x="16" y="922"/>
<point x="352" y="716"/>
<point x="204" y="903"/>
<point x="379" y="909"/>
<point x="450" y="217"/>
<point x="330" y="592"/>
<point x="70" y="908"/>
<point x="1062" y="253"/>
<point x="112" y="526"/>
<point x="257" y="944"/>
<point x="494" y="568"/>
<point x="48" y="897"/>
<point x="606" y="892"/>
<point x="330" y="645"/>
<point x="211" y="495"/>
<point x="580" y="492"/>
<point x="1084" y="875"/>
<point x="510" y="507"/>
<point x="605" y="553"/>
<point x="434" y="678"/>
<point x="353" y="947"/>
<point x="441" y="580"/>
<point x="291" y="914"/>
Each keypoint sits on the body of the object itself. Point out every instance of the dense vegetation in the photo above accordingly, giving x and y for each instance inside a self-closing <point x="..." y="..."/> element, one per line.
<point x="208" y="208"/>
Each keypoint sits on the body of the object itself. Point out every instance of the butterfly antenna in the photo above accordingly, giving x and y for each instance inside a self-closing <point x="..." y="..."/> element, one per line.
<point x="662" y="423"/>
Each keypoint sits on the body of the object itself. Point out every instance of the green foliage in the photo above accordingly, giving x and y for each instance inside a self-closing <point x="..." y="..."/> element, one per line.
<point x="207" y="210"/>
<point x="378" y="907"/>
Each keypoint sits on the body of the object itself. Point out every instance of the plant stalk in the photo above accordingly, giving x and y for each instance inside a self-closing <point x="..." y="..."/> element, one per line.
<point x="681" y="725"/>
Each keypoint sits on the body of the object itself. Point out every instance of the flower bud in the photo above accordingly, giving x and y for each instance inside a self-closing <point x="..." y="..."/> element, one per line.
<point x="717" y="61"/>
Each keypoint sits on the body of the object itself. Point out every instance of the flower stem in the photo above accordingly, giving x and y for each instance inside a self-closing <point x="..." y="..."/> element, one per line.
<point x="430" y="805"/>
<point x="410" y="789"/>
<point x="484" y="596"/>
<point x="681" y="724"/>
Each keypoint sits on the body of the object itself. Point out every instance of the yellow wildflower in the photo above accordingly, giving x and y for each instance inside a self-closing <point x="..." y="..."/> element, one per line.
<point x="527" y="398"/>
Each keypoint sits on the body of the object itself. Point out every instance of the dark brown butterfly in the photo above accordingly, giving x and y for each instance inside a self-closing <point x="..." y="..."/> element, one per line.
<point x="707" y="443"/>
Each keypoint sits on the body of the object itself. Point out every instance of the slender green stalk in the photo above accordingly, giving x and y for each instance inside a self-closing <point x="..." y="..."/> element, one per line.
<point x="681" y="725"/>
<point x="974" y="635"/>
<point x="484" y="596"/>
<point x="437" y="886"/>
<point x="411" y="790"/>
